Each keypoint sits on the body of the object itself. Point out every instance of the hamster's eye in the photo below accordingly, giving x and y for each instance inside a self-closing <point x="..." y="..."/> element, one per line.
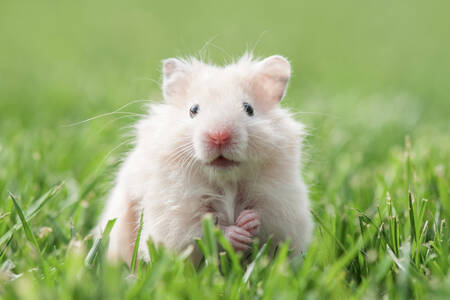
<point x="248" y="109"/>
<point x="194" y="110"/>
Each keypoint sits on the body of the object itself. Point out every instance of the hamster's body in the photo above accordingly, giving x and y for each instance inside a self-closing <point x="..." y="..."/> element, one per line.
<point x="219" y="144"/>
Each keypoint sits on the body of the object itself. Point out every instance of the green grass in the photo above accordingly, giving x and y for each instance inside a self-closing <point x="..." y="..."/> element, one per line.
<point x="371" y="82"/>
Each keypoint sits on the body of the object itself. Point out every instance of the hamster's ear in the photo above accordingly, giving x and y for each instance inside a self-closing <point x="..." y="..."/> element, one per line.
<point x="175" y="79"/>
<point x="270" y="79"/>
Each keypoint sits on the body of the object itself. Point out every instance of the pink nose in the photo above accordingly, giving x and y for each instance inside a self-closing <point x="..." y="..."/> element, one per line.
<point x="219" y="137"/>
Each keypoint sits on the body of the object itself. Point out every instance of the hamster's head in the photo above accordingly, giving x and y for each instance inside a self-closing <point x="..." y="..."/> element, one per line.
<point x="228" y="114"/>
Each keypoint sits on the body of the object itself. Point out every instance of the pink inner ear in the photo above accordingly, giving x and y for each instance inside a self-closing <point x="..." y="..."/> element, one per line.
<point x="175" y="80"/>
<point x="270" y="80"/>
<point x="169" y="67"/>
<point x="176" y="87"/>
<point x="269" y="88"/>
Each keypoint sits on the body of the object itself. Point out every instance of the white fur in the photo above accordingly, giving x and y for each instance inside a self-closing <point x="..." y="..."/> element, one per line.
<point x="167" y="175"/>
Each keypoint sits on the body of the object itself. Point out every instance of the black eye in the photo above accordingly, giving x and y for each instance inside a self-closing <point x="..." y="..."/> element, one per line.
<point x="194" y="110"/>
<point x="248" y="109"/>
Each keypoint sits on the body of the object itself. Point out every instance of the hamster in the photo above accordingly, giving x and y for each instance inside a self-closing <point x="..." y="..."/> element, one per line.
<point x="219" y="143"/>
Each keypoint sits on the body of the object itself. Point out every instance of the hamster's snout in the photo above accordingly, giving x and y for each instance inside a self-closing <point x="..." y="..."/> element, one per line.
<point x="221" y="137"/>
<point x="220" y="146"/>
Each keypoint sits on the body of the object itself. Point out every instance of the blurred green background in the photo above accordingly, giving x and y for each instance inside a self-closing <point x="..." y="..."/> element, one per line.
<point x="366" y="74"/>
<point x="78" y="58"/>
<point x="371" y="82"/>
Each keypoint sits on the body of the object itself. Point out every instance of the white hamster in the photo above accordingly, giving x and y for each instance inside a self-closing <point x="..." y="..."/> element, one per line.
<point x="219" y="143"/>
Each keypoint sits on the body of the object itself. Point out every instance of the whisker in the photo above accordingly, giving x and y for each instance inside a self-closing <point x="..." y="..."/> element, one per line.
<point x="188" y="143"/>
<point x="179" y="150"/>
<point x="149" y="79"/>
<point x="311" y="113"/>
<point x="127" y="141"/>
<point x="191" y="165"/>
<point x="181" y="155"/>
<point x="117" y="111"/>
<point x="117" y="119"/>
<point x="104" y="115"/>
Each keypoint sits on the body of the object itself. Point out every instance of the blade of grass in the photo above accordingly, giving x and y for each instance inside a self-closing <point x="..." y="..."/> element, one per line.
<point x="44" y="267"/>
<point x="29" y="234"/>
<point x="152" y="251"/>
<point x="210" y="243"/>
<point x="32" y="211"/>
<point x="234" y="257"/>
<point x="345" y="259"/>
<point x="412" y="217"/>
<point x="328" y="230"/>
<point x="136" y="244"/>
<point x="224" y="263"/>
<point x="37" y="205"/>
<point x="151" y="278"/>
<point x="96" y="247"/>
<point x="260" y="254"/>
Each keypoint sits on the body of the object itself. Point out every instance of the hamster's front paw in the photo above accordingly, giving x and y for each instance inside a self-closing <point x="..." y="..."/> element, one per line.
<point x="249" y="220"/>
<point x="238" y="237"/>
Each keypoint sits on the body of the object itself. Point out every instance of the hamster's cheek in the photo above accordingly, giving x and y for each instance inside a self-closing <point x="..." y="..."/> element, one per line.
<point x="238" y="149"/>
<point x="260" y="144"/>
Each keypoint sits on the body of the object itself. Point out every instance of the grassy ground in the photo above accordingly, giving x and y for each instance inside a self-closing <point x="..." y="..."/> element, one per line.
<point x="370" y="78"/>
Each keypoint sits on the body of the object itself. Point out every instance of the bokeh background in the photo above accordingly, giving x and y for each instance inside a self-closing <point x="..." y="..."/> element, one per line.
<point x="370" y="79"/>
<point x="366" y="74"/>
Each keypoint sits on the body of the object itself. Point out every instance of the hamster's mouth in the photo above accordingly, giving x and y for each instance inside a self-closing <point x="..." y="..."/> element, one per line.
<point x="222" y="162"/>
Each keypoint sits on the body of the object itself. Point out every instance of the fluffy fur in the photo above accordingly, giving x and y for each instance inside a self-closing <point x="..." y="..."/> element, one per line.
<point x="168" y="174"/>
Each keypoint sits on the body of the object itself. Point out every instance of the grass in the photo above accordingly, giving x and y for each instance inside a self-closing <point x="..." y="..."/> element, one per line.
<point x="370" y="82"/>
